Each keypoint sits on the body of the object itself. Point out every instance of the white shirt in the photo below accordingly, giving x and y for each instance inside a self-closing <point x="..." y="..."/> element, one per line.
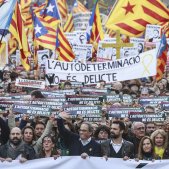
<point x="116" y="147"/>
<point x="85" y="142"/>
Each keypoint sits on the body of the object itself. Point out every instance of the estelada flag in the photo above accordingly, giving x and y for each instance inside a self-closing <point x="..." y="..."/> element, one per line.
<point x="132" y="16"/>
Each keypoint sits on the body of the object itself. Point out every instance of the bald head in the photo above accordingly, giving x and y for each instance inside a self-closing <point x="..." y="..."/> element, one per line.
<point x="15" y="136"/>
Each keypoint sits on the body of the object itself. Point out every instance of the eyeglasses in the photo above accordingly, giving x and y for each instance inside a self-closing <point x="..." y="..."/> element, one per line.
<point x="151" y="127"/>
<point x="140" y="128"/>
<point x="83" y="130"/>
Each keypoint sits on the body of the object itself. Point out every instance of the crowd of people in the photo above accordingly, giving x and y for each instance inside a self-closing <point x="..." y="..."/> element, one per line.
<point x="62" y="135"/>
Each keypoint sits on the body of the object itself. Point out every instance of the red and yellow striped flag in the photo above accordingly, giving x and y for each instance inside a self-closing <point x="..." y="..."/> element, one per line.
<point x="79" y="7"/>
<point x="94" y="30"/>
<point x="37" y="9"/>
<point x="63" y="47"/>
<point x="103" y="4"/>
<point x="12" y="45"/>
<point x="2" y="46"/>
<point x="63" y="8"/>
<point x="25" y="6"/>
<point x="69" y="25"/>
<point x="132" y="16"/>
<point x="18" y="31"/>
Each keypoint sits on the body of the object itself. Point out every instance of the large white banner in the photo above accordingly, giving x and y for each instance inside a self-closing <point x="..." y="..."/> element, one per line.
<point x="89" y="163"/>
<point x="128" y="68"/>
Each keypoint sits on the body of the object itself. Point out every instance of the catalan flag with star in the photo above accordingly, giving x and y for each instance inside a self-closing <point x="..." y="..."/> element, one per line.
<point x="45" y="34"/>
<point x="132" y="16"/>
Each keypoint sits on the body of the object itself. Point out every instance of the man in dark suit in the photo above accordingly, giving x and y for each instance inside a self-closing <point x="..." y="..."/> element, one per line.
<point x="117" y="147"/>
<point x="81" y="144"/>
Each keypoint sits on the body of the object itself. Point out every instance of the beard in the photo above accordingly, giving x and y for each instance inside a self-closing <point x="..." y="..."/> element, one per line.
<point x="15" y="141"/>
<point x="113" y="135"/>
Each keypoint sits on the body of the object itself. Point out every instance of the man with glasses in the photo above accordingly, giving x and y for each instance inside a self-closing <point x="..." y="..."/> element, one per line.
<point x="81" y="144"/>
<point x="138" y="132"/>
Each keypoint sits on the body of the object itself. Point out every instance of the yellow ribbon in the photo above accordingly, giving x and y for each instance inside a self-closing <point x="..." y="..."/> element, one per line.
<point x="146" y="65"/>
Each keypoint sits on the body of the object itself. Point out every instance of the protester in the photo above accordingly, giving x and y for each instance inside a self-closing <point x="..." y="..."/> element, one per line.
<point x="117" y="147"/>
<point x="160" y="140"/>
<point x="15" y="148"/>
<point x="101" y="134"/>
<point x="48" y="148"/>
<point x="150" y="128"/>
<point x="146" y="149"/>
<point x="81" y="144"/>
<point x="138" y="131"/>
<point x="80" y="111"/>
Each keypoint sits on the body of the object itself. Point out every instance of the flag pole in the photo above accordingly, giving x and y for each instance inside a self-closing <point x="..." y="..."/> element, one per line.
<point x="107" y="17"/>
<point x="111" y="10"/>
<point x="2" y="36"/>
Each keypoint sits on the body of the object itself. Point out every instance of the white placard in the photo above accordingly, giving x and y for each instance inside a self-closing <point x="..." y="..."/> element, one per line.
<point x="138" y="43"/>
<point x="43" y="56"/>
<point x="81" y="20"/>
<point x="107" y="54"/>
<point x="152" y="33"/>
<point x="30" y="83"/>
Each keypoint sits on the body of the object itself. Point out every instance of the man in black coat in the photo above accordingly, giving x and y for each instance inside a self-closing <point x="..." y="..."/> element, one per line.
<point x="81" y="144"/>
<point x="117" y="147"/>
<point x="15" y="148"/>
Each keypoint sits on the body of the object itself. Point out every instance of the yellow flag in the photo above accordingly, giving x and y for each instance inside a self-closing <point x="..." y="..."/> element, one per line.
<point x="132" y="16"/>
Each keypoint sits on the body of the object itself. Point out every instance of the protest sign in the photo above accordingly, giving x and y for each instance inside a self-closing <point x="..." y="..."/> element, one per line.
<point x="81" y="20"/>
<point x="106" y="54"/>
<point x="133" y="67"/>
<point x="122" y="111"/>
<point x="83" y="52"/>
<point x="129" y="51"/>
<point x="90" y="113"/>
<point x="18" y="60"/>
<point x="42" y="55"/>
<point x="81" y="37"/>
<point x="32" y="110"/>
<point x="71" y="36"/>
<point x="154" y="101"/>
<point x="30" y="83"/>
<point x="94" y="90"/>
<point x="147" y="117"/>
<point x="83" y="100"/>
<point x="138" y="43"/>
<point x="113" y="98"/>
<point x="165" y="105"/>
<point x="152" y="33"/>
